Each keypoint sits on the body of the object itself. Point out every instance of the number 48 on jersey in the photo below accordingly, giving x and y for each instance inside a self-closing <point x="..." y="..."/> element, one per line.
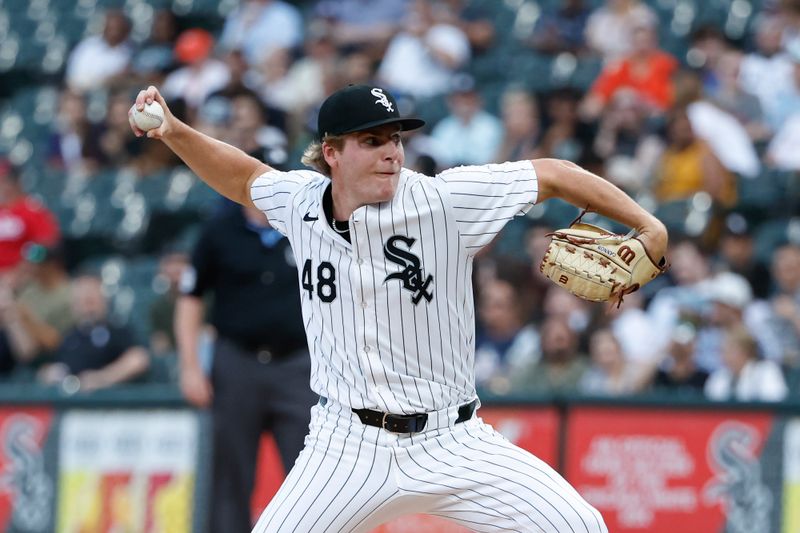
<point x="325" y="286"/>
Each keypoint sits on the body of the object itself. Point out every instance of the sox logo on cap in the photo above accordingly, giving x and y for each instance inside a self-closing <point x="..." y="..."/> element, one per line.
<point x="382" y="99"/>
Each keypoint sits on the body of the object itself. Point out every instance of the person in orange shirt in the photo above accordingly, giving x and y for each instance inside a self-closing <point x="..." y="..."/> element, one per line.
<point x="647" y="70"/>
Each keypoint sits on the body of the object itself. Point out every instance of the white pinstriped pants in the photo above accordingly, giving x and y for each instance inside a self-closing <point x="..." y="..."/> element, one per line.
<point x="351" y="478"/>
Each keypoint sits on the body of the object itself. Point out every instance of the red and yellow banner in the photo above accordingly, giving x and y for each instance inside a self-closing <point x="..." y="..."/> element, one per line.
<point x="127" y="471"/>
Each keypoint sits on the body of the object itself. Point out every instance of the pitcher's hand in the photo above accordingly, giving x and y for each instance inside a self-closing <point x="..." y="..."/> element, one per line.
<point x="147" y="96"/>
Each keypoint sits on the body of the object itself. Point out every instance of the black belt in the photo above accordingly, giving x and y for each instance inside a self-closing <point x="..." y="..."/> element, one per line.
<point x="413" y="423"/>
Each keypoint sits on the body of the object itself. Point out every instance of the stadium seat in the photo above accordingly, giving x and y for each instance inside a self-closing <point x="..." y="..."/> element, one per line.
<point x="771" y="234"/>
<point x="762" y="197"/>
<point x="673" y="214"/>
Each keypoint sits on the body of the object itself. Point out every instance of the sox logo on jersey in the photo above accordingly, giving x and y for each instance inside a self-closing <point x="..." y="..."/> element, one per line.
<point x="412" y="276"/>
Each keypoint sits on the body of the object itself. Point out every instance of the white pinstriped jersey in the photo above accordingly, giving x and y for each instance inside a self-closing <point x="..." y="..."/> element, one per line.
<point x="390" y="317"/>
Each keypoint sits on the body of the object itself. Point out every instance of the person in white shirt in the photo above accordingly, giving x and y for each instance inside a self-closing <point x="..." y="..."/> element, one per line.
<point x="744" y="376"/>
<point x="98" y="59"/>
<point x="422" y="59"/>
<point x="259" y="27"/>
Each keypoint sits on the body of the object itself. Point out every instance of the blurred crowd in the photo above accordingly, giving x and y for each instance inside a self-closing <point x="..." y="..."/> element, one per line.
<point x="696" y="136"/>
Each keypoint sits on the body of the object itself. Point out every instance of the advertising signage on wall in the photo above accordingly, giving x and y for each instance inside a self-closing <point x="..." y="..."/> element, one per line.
<point x="665" y="471"/>
<point x="27" y="481"/>
<point x="791" y="478"/>
<point x="127" y="471"/>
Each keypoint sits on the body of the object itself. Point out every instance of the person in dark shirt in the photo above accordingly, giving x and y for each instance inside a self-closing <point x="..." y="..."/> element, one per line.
<point x="679" y="372"/>
<point x="259" y="376"/>
<point x="94" y="354"/>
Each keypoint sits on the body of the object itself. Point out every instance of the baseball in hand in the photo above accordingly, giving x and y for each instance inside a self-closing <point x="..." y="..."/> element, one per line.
<point x="151" y="117"/>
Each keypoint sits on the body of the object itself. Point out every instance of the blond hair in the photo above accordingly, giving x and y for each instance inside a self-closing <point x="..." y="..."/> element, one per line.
<point x="314" y="157"/>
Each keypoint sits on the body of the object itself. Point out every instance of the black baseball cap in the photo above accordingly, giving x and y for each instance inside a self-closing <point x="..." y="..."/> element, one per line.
<point x="360" y="107"/>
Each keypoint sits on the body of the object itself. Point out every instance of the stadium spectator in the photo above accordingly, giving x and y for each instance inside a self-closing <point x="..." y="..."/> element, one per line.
<point x="562" y="28"/>
<point x="647" y="70"/>
<point x="304" y="84"/>
<point x="250" y="130"/>
<point x="565" y="135"/>
<point x="166" y="283"/>
<point x="609" y="373"/>
<point x="610" y="28"/>
<point x="729" y="299"/>
<point x="678" y="373"/>
<point x="154" y="58"/>
<point x="707" y="48"/>
<point x="736" y="253"/>
<point x="38" y="310"/>
<point x="99" y="60"/>
<point x="627" y="143"/>
<point x="109" y="144"/>
<point x="561" y="366"/>
<point x="519" y="110"/>
<point x="67" y="141"/>
<point x="574" y="311"/>
<point x="94" y="354"/>
<point x="201" y="75"/>
<point x="688" y="166"/>
<point x="745" y="376"/>
<point x="422" y="59"/>
<point x="786" y="121"/>
<point x="506" y="344"/>
<point x="273" y="79"/>
<point x="244" y="80"/>
<point x="731" y="97"/>
<point x="363" y="24"/>
<point x="22" y="220"/>
<point x="469" y="135"/>
<point x="684" y="300"/>
<point x="633" y="328"/>
<point x="473" y="19"/>
<point x="779" y="316"/>
<point x="722" y="131"/>
<point x="767" y="70"/>
<point x="259" y="27"/>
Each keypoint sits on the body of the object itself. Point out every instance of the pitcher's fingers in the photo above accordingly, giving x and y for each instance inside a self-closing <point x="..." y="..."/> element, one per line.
<point x="141" y="98"/>
<point x="136" y="130"/>
<point x="152" y="95"/>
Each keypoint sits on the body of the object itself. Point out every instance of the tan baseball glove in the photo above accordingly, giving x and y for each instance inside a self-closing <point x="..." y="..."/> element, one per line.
<point x="597" y="265"/>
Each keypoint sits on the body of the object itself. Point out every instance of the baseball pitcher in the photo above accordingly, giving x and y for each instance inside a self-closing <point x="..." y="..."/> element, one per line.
<point x="384" y="258"/>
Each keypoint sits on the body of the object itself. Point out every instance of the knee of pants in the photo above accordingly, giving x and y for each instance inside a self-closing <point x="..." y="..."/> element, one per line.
<point x="593" y="520"/>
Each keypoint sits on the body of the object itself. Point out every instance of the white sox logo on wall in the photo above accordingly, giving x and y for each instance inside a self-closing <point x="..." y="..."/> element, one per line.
<point x="412" y="276"/>
<point x="382" y="99"/>
<point x="738" y="483"/>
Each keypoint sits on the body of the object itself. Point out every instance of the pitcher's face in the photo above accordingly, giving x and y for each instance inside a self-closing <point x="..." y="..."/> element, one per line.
<point x="368" y="165"/>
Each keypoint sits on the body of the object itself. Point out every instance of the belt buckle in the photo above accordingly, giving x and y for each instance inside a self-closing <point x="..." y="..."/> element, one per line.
<point x="383" y="421"/>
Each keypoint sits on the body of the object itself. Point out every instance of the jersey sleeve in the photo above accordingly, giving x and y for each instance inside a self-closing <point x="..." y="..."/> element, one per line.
<point x="484" y="198"/>
<point x="273" y="192"/>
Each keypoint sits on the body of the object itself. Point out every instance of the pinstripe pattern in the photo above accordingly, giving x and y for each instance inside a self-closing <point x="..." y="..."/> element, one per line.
<point x="398" y="337"/>
<point x="372" y="346"/>
<point x="352" y="478"/>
